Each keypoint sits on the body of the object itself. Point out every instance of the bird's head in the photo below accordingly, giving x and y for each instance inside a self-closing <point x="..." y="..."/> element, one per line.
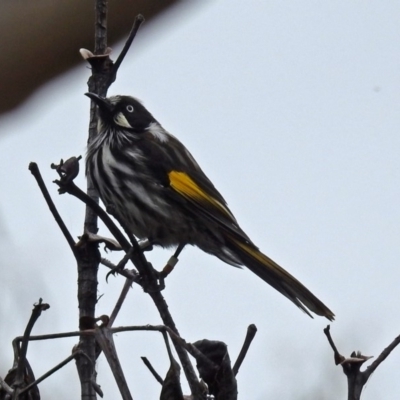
<point x="122" y="113"/>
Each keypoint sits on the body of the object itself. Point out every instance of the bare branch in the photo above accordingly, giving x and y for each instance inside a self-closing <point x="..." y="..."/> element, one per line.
<point x="36" y="312"/>
<point x="140" y="262"/>
<point x="338" y="357"/>
<point x="152" y="370"/>
<point x="51" y="371"/>
<point x="118" y="305"/>
<point x="105" y="340"/>
<point x="385" y="353"/>
<point x="251" y="333"/>
<point x="33" y="167"/>
<point x="136" y="25"/>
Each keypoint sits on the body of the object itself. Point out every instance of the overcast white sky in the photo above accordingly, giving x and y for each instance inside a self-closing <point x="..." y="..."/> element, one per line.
<point x="292" y="109"/>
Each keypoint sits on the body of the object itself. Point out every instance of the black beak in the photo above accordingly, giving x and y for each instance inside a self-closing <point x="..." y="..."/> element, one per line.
<point x="102" y="102"/>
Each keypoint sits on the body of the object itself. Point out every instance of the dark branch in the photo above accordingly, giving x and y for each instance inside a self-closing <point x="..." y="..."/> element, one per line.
<point x="385" y="353"/>
<point x="51" y="371"/>
<point x="356" y="379"/>
<point x="100" y="44"/>
<point x="152" y="370"/>
<point x="121" y="298"/>
<point x="36" y="312"/>
<point x="33" y="167"/>
<point x="105" y="340"/>
<point x="251" y="333"/>
<point x="338" y="357"/>
<point x="136" y="25"/>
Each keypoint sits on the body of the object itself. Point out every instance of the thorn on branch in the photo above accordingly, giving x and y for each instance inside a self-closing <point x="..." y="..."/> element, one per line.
<point x="109" y="243"/>
<point x="100" y="63"/>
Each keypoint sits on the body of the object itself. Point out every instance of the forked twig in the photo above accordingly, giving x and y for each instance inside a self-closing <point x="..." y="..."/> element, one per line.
<point x="356" y="379"/>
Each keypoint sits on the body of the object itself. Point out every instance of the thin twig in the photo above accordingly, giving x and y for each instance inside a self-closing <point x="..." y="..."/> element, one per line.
<point x="152" y="370"/>
<point x="385" y="353"/>
<point x="251" y="333"/>
<point x="136" y="25"/>
<point x="104" y="338"/>
<point x="187" y="366"/>
<point x="51" y="371"/>
<point x="90" y="332"/>
<point x="338" y="357"/>
<point x="74" y="190"/>
<point x="118" y="305"/>
<point x="33" y="167"/>
<point x="36" y="312"/>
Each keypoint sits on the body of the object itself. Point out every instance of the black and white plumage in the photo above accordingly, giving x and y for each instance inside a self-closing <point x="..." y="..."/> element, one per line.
<point x="159" y="191"/>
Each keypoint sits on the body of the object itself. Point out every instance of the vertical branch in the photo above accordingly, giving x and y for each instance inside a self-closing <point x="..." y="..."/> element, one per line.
<point x="100" y="43"/>
<point x="89" y="259"/>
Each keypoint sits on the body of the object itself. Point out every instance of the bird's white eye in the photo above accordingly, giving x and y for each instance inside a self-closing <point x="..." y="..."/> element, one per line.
<point x="129" y="108"/>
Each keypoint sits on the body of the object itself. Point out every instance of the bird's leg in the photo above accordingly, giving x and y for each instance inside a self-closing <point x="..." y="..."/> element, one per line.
<point x="159" y="277"/>
<point x="153" y="281"/>
<point x="172" y="261"/>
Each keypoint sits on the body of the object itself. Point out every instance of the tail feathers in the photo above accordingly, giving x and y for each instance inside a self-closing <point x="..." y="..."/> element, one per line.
<point x="281" y="280"/>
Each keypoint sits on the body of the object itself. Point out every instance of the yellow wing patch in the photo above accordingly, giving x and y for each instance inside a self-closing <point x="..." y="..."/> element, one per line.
<point x="184" y="185"/>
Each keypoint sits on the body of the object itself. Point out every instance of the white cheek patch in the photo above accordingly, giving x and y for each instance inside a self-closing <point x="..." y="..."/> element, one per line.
<point x="120" y="120"/>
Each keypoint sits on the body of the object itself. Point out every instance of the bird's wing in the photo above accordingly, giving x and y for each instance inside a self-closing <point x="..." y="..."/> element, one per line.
<point x="201" y="194"/>
<point x="187" y="183"/>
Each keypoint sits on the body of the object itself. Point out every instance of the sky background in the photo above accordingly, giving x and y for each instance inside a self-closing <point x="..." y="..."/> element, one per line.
<point x="292" y="109"/>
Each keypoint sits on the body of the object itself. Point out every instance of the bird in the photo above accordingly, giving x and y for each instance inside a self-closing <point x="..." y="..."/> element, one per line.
<point x="157" y="188"/>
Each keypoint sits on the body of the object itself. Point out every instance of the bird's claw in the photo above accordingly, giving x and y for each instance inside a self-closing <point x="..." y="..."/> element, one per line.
<point x="121" y="265"/>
